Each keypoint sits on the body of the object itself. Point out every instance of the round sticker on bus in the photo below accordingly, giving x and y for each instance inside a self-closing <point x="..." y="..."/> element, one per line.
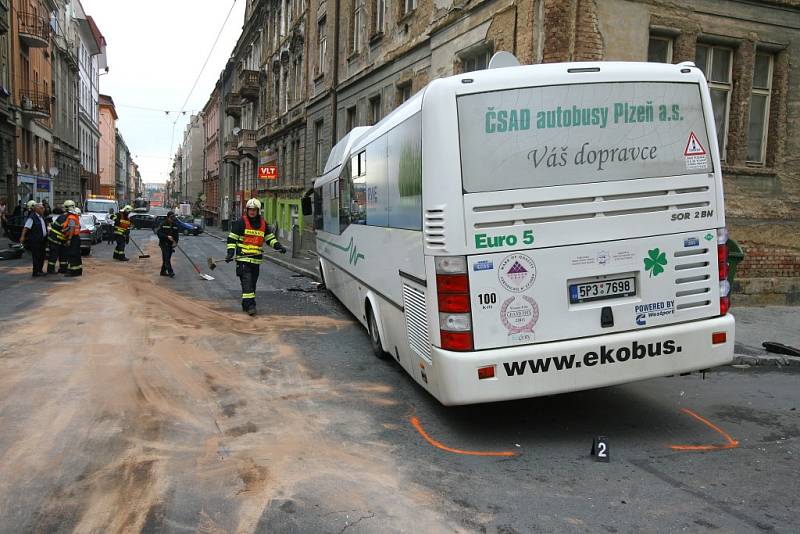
<point x="516" y="273"/>
<point x="519" y="315"/>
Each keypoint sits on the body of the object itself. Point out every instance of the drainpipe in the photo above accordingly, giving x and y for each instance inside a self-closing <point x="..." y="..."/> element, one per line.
<point x="335" y="77"/>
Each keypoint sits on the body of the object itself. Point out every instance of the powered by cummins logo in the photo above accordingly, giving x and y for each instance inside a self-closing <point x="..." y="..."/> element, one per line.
<point x="603" y="356"/>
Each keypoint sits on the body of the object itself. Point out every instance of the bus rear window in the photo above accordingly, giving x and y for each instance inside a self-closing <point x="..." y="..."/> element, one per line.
<point x="582" y="133"/>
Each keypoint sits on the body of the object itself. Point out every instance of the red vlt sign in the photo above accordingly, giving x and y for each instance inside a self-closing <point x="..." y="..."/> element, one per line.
<point x="268" y="172"/>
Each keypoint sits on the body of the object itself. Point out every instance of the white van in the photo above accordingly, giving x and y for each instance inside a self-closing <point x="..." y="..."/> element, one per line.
<point x="532" y="230"/>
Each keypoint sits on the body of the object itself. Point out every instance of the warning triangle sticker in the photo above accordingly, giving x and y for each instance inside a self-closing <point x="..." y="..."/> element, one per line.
<point x="693" y="147"/>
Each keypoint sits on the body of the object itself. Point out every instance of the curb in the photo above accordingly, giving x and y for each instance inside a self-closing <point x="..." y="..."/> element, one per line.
<point x="292" y="267"/>
<point x="772" y="360"/>
<point x="308" y="273"/>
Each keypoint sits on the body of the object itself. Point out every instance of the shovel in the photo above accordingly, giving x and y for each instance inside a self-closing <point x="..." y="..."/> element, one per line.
<point x="196" y="268"/>
<point x="142" y="255"/>
<point x="212" y="263"/>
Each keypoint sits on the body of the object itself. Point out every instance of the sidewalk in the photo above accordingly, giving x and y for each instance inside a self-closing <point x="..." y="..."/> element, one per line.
<point x="754" y="325"/>
<point x="307" y="264"/>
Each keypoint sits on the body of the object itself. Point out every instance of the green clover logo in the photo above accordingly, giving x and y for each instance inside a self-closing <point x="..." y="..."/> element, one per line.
<point x="655" y="262"/>
<point x="709" y="236"/>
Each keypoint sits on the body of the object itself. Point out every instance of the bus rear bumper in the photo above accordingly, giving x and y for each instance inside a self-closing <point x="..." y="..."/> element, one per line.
<point x="576" y="364"/>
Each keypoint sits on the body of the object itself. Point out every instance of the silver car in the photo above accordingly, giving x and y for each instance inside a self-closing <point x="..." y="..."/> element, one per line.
<point x="91" y="233"/>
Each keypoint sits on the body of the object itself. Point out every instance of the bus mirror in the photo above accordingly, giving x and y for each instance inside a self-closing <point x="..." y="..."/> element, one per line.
<point x="306" y="205"/>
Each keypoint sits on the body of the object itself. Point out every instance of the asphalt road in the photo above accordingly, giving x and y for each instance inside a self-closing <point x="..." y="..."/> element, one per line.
<point x="131" y="402"/>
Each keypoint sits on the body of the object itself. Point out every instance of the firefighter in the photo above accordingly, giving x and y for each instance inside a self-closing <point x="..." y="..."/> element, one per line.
<point x="168" y="239"/>
<point x="72" y="237"/>
<point x="57" y="243"/>
<point x="122" y="233"/>
<point x="245" y="241"/>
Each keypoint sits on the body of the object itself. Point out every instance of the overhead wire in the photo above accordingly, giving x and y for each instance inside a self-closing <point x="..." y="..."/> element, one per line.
<point x="199" y="74"/>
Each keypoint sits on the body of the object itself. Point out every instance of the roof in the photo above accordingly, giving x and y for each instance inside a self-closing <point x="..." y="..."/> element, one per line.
<point x="108" y="102"/>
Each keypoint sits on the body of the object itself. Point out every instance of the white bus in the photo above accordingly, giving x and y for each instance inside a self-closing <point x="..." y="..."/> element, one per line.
<point x="532" y="230"/>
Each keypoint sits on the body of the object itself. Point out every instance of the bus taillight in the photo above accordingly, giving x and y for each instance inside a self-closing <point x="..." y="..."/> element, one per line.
<point x="452" y="291"/>
<point x="722" y="265"/>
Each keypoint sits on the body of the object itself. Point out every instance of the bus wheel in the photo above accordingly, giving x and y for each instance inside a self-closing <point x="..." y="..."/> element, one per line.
<point x="374" y="335"/>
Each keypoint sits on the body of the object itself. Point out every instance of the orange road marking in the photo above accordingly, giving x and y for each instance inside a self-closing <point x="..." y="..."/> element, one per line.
<point x="730" y="443"/>
<point x="415" y="422"/>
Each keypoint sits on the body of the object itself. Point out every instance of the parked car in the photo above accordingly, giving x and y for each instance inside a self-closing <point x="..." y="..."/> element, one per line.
<point x="14" y="228"/>
<point x="185" y="224"/>
<point x="91" y="233"/>
<point x="142" y="220"/>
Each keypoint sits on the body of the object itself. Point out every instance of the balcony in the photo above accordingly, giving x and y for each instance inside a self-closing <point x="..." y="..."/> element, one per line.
<point x="231" y="151"/>
<point x="247" y="141"/>
<point x="34" y="31"/>
<point x="34" y="104"/>
<point x="233" y="105"/>
<point x="248" y="84"/>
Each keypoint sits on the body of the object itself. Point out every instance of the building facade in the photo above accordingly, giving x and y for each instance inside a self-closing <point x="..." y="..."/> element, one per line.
<point x="30" y="51"/>
<point x="309" y="71"/>
<point x="211" y="158"/>
<point x="66" y="149"/>
<point x="107" y="166"/>
<point x="192" y="150"/>
<point x="122" y="158"/>
<point x="91" y="50"/>
<point x="8" y="174"/>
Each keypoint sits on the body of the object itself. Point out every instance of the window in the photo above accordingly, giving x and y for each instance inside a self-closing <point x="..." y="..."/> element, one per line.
<point x="276" y="95"/>
<point x="357" y="27"/>
<point x="319" y="219"/>
<point x="403" y="92"/>
<point x="298" y="174"/>
<point x="475" y="59"/>
<point x="659" y="50"/>
<point x="285" y="90"/>
<point x="322" y="47"/>
<point x="318" y="147"/>
<point x="374" y="109"/>
<point x="408" y="6"/>
<point x="758" y="123"/>
<point x="378" y="16"/>
<point x="351" y="118"/>
<point x="353" y="186"/>
<point x="404" y="159"/>
<point x="715" y="62"/>
<point x="297" y="82"/>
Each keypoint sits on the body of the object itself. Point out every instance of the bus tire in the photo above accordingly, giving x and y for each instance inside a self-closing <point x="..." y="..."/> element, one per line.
<point x="374" y="335"/>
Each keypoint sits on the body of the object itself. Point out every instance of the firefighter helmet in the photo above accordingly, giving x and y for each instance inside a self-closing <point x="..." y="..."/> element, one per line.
<point x="127" y="209"/>
<point x="76" y="211"/>
<point x="30" y="204"/>
<point x="254" y="203"/>
<point x="69" y="204"/>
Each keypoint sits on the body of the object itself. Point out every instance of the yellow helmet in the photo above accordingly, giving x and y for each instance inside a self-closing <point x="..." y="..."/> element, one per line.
<point x="30" y="204"/>
<point x="76" y="211"/>
<point x="254" y="203"/>
<point x="127" y="209"/>
<point x="69" y="204"/>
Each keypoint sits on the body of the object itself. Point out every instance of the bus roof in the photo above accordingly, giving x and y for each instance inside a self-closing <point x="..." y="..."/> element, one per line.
<point x="567" y="73"/>
<point x="340" y="151"/>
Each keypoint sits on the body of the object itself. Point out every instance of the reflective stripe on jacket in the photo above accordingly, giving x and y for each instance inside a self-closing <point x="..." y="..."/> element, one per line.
<point x="248" y="240"/>
<point x="56" y="233"/>
<point x="122" y="225"/>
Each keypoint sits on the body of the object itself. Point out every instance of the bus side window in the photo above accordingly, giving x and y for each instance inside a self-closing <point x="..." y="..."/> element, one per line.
<point x="318" y="218"/>
<point x="405" y="175"/>
<point x="358" y="190"/>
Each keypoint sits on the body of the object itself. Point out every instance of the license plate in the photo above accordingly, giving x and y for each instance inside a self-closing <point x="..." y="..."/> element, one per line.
<point x="604" y="289"/>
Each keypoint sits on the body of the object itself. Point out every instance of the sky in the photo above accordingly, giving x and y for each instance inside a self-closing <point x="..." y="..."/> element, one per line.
<point x="155" y="50"/>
